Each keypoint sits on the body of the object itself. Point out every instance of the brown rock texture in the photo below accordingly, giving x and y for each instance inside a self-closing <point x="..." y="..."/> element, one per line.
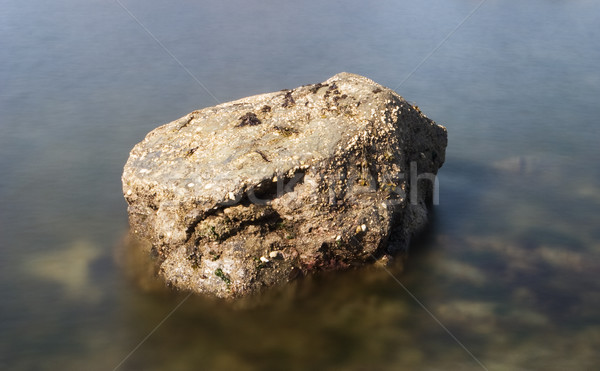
<point x="235" y="198"/>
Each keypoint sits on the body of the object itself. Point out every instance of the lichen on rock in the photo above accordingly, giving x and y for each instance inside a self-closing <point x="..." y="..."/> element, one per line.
<point x="251" y="193"/>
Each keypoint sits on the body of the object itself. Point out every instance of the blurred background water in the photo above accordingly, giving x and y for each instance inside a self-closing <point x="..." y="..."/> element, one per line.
<point x="509" y="265"/>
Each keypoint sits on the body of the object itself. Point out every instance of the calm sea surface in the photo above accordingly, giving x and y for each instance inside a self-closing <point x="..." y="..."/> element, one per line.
<point x="505" y="279"/>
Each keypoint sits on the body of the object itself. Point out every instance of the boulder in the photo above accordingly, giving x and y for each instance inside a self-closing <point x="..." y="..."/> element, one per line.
<point x="235" y="198"/>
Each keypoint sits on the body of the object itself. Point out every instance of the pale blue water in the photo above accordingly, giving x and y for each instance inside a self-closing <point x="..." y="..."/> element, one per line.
<point x="509" y="265"/>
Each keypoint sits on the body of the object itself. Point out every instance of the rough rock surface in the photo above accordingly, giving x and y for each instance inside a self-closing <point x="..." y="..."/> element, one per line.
<point x="247" y="194"/>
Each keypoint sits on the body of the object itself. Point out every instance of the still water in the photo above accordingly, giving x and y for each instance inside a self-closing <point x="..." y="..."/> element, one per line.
<point x="505" y="279"/>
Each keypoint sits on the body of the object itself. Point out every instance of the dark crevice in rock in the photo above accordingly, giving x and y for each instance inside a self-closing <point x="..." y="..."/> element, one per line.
<point x="248" y="119"/>
<point x="315" y="88"/>
<point x="260" y="195"/>
<point x="264" y="157"/>
<point x="186" y="121"/>
<point x="222" y="227"/>
<point x="288" y="100"/>
<point x="268" y="190"/>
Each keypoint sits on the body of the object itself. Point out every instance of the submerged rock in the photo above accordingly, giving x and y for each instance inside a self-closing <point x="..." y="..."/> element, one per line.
<point x="251" y="193"/>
